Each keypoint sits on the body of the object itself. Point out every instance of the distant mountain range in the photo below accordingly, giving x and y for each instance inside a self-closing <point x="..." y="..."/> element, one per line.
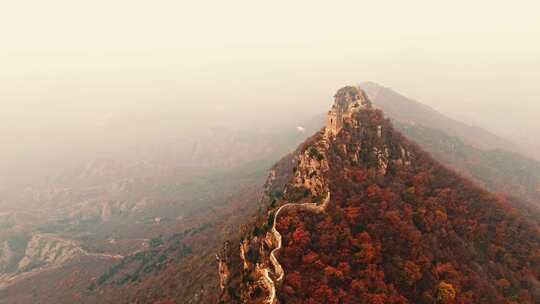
<point x="408" y="111"/>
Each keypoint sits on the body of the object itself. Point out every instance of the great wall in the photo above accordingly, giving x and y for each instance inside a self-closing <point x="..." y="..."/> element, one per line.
<point x="310" y="175"/>
<point x="279" y="273"/>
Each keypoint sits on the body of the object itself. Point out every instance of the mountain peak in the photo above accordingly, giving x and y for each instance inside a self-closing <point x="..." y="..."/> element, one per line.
<point x="350" y="95"/>
<point x="347" y="101"/>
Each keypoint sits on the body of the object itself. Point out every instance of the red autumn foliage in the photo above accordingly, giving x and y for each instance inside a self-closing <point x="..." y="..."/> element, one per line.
<point x="418" y="233"/>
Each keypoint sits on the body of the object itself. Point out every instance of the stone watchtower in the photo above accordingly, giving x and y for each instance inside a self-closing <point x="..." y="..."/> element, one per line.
<point x="347" y="100"/>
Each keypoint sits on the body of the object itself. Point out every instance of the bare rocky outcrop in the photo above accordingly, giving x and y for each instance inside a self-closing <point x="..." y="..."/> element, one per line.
<point x="42" y="250"/>
<point x="223" y="266"/>
<point x="348" y="100"/>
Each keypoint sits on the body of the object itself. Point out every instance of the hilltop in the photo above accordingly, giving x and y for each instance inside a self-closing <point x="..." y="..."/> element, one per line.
<point x="361" y="214"/>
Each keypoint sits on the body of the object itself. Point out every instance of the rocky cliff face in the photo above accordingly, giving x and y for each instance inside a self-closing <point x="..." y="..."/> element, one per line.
<point x="43" y="250"/>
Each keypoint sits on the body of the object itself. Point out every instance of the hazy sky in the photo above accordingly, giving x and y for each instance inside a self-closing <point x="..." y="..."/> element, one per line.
<point x="67" y="61"/>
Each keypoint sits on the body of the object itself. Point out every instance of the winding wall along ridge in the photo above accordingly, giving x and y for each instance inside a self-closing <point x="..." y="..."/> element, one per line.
<point x="278" y="269"/>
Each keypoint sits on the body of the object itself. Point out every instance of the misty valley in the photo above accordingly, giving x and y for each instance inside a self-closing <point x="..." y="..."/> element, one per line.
<point x="148" y="229"/>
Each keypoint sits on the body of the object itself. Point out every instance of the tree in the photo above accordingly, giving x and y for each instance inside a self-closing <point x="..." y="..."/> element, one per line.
<point x="445" y="293"/>
<point x="412" y="272"/>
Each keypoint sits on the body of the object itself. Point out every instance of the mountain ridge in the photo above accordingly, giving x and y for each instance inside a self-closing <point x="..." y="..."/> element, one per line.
<point x="393" y="103"/>
<point x="369" y="149"/>
<point x="489" y="160"/>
